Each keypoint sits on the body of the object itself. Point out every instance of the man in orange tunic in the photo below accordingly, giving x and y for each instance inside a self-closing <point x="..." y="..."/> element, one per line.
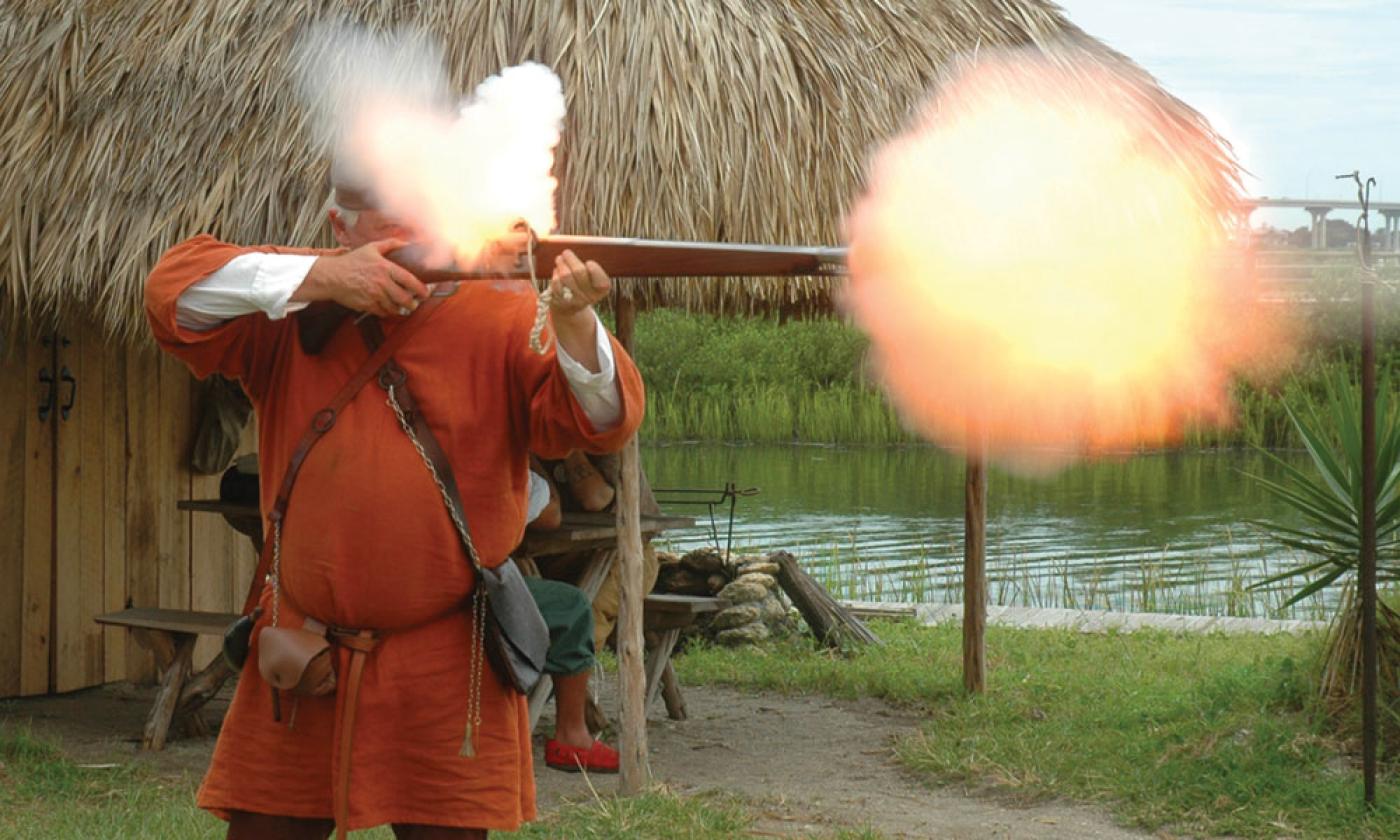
<point x="367" y="541"/>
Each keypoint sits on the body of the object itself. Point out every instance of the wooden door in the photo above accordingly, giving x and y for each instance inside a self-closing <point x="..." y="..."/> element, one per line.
<point x="28" y="382"/>
<point x="89" y="554"/>
<point x="94" y="444"/>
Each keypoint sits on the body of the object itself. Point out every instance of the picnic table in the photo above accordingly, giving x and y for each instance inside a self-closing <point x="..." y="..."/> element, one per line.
<point x="171" y="634"/>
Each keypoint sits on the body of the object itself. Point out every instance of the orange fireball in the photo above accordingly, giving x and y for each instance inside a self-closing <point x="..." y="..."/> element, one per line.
<point x="1041" y="265"/>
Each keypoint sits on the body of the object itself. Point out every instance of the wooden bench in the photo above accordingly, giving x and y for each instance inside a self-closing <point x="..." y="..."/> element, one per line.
<point x="170" y="635"/>
<point x="667" y="616"/>
<point x="161" y="630"/>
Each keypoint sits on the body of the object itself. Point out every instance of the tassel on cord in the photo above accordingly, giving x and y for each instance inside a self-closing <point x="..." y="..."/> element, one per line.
<point x="541" y="313"/>
<point x="474" y="666"/>
<point x="542" y="307"/>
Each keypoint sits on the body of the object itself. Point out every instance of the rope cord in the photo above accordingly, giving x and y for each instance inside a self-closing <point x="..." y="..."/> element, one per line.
<point x="542" y="305"/>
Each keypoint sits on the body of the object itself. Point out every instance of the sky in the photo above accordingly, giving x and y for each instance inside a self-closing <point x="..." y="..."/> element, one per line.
<point x="1303" y="89"/>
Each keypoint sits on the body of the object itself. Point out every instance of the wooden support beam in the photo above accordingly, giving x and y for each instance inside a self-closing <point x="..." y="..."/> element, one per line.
<point x="671" y="693"/>
<point x="975" y="574"/>
<point x="594" y="716"/>
<point x="173" y="652"/>
<point x="200" y="689"/>
<point x="632" y="741"/>
<point x="832" y="624"/>
<point x="658" y="660"/>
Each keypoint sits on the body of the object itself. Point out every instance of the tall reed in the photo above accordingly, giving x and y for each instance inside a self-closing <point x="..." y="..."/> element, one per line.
<point x="761" y="381"/>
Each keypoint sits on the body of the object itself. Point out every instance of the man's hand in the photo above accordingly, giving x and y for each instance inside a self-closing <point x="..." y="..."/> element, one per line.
<point x="576" y="286"/>
<point x="363" y="280"/>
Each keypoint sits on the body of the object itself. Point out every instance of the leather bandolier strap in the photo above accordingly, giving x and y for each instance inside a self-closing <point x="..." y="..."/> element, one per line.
<point x="392" y="374"/>
<point x="322" y="422"/>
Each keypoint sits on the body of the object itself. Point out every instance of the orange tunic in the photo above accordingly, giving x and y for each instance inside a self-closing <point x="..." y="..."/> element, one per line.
<point x="367" y="543"/>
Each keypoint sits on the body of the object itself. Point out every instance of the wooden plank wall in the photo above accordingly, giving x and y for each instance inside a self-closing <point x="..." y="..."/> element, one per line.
<point x="37" y="582"/>
<point x="17" y="400"/>
<point x="88" y="522"/>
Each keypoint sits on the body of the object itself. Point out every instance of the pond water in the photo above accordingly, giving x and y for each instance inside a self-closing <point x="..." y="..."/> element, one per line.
<point x="1165" y="532"/>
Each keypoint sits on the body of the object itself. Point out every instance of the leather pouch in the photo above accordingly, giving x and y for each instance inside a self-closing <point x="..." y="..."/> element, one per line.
<point x="517" y="638"/>
<point x="297" y="659"/>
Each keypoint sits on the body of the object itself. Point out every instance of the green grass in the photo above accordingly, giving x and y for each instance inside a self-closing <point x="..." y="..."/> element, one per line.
<point x="757" y="380"/>
<point x="1202" y="734"/>
<point x="45" y="794"/>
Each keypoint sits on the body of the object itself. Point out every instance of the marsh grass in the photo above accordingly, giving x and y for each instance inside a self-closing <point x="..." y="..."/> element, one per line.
<point x="1210" y="735"/>
<point x="758" y="380"/>
<point x="1141" y="584"/>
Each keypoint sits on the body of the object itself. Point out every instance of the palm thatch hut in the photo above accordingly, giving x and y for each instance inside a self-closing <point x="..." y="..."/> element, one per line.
<point x="127" y="127"/>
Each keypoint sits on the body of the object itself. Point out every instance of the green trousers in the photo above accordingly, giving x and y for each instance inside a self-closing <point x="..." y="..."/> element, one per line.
<point x="570" y="618"/>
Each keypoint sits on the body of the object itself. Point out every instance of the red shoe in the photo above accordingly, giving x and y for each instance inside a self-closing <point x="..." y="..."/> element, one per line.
<point x="599" y="758"/>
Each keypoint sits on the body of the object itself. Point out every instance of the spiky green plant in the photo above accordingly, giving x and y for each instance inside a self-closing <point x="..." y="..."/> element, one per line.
<point x="1329" y="501"/>
<point x="1329" y="498"/>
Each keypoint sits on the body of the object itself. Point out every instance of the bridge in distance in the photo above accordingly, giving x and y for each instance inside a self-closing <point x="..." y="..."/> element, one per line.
<point x="1318" y="208"/>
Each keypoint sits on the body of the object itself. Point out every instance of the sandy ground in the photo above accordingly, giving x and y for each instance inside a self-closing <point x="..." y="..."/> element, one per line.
<point x="809" y="765"/>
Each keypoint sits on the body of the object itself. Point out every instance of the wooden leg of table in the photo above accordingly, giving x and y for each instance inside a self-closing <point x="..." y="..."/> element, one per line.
<point x="599" y="567"/>
<point x="190" y="726"/>
<point x="173" y="652"/>
<point x="657" y="660"/>
<point x="594" y="716"/>
<point x="197" y="691"/>
<point x="671" y="693"/>
<point x="539" y="698"/>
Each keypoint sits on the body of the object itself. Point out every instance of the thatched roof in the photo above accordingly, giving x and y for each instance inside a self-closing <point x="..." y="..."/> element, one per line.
<point x="125" y="127"/>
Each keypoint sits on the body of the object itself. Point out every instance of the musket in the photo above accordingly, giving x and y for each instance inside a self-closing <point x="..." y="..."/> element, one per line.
<point x="525" y="257"/>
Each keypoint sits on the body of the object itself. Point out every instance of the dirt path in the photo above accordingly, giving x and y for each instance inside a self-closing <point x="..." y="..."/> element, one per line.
<point x="813" y="764"/>
<point x="809" y="764"/>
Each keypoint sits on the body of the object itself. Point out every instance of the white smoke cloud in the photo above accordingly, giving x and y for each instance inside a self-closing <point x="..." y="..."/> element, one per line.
<point x="460" y="176"/>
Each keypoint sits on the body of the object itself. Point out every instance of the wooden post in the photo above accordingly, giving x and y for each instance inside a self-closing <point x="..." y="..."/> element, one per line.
<point x="631" y="672"/>
<point x="832" y="624"/>
<point x="975" y="571"/>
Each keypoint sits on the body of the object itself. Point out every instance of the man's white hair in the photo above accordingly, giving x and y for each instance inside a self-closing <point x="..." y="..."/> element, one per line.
<point x="349" y="217"/>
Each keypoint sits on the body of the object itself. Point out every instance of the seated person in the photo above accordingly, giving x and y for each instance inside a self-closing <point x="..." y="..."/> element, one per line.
<point x="569" y="662"/>
<point x="590" y="481"/>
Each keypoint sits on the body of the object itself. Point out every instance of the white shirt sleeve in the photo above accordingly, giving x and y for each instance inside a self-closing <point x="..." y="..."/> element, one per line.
<point x="265" y="282"/>
<point x="246" y="284"/>
<point x="596" y="393"/>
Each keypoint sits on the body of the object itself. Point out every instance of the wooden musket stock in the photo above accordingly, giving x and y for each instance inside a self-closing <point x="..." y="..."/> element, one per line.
<point x="620" y="257"/>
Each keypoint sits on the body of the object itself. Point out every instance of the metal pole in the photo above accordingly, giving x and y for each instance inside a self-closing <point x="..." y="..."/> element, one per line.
<point x="1368" y="540"/>
<point x="1366" y="573"/>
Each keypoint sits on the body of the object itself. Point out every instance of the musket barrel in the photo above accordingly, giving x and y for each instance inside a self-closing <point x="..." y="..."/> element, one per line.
<point x="628" y="257"/>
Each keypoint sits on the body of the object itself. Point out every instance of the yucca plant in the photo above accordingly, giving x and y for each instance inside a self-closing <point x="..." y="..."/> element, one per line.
<point x="1328" y="498"/>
